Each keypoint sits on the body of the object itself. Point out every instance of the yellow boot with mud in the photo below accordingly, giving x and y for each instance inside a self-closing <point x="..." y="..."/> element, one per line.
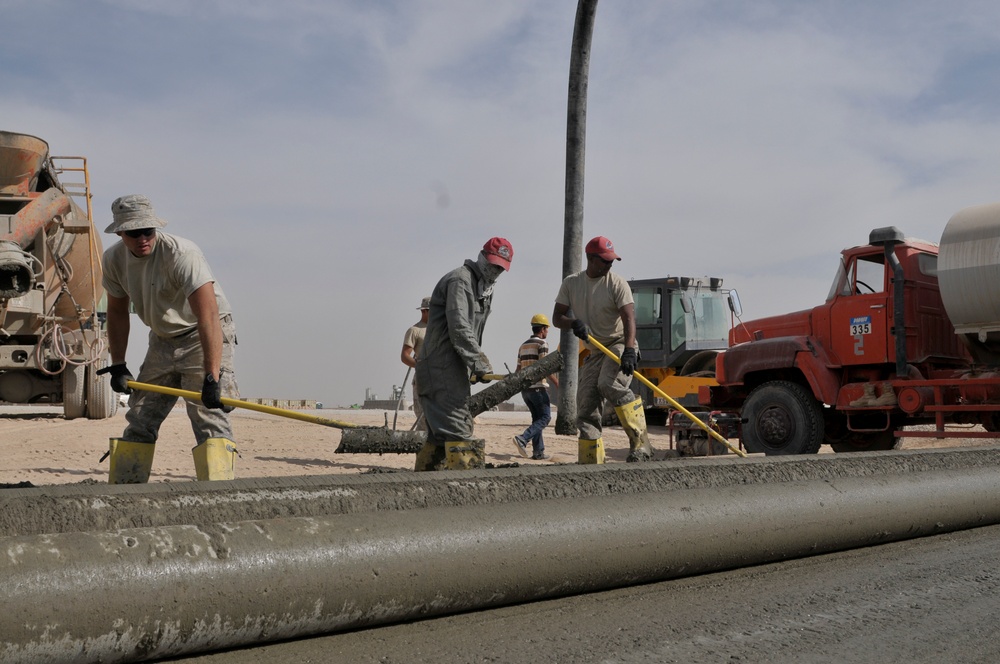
<point x="130" y="462"/>
<point x="633" y="419"/>
<point x="591" y="451"/>
<point x="430" y="457"/>
<point x="464" y="454"/>
<point x="215" y="459"/>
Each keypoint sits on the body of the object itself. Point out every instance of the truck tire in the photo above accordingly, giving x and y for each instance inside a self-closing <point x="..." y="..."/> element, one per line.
<point x="74" y="381"/>
<point x="102" y="401"/>
<point x="782" y="417"/>
<point x="701" y="363"/>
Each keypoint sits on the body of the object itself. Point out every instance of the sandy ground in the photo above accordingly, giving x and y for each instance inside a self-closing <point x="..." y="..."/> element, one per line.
<point x="41" y="448"/>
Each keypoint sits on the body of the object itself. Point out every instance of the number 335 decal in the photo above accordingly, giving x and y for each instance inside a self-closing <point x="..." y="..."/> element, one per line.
<point x="861" y="325"/>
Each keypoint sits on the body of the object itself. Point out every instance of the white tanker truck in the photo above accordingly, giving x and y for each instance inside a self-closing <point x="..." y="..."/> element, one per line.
<point x="52" y="338"/>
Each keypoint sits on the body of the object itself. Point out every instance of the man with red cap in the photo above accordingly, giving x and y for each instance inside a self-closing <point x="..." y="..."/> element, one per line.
<point x="597" y="302"/>
<point x="451" y="357"/>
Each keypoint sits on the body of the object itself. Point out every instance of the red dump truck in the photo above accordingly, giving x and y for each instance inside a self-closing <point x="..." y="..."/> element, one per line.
<point x="909" y="335"/>
<point x="52" y="337"/>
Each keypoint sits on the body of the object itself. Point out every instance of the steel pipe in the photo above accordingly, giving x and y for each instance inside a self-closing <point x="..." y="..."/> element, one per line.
<point x="151" y="593"/>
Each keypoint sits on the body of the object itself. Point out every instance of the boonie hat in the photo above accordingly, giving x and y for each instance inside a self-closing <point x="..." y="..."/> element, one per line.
<point x="499" y="252"/>
<point x="425" y="303"/>
<point x="133" y="212"/>
<point x="603" y="247"/>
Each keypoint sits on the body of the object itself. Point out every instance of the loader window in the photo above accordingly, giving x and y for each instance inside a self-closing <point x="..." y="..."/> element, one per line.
<point x="648" y="318"/>
<point x="706" y="326"/>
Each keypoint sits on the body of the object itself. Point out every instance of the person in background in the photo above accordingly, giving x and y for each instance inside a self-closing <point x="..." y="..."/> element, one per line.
<point x="452" y="355"/>
<point x="536" y="397"/>
<point x="167" y="281"/>
<point x="599" y="302"/>
<point x="412" y="341"/>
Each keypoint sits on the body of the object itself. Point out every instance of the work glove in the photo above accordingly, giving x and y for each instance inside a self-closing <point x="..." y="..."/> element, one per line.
<point x="630" y="358"/>
<point x="580" y="329"/>
<point x="211" y="394"/>
<point x="120" y="376"/>
<point x="483" y="367"/>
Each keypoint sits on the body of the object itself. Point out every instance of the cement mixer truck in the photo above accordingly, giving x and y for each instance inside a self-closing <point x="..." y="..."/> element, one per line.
<point x="52" y="338"/>
<point x="909" y="335"/>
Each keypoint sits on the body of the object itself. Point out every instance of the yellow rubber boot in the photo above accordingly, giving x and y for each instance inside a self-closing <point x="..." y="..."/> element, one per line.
<point x="633" y="419"/>
<point x="130" y="461"/>
<point x="215" y="459"/>
<point x="464" y="454"/>
<point x="591" y="451"/>
<point x="430" y="457"/>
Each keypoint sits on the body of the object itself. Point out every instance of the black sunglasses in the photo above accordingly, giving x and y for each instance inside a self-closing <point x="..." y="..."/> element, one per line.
<point x="140" y="232"/>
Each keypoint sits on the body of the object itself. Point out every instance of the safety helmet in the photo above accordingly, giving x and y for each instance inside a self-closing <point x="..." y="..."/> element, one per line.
<point x="540" y="319"/>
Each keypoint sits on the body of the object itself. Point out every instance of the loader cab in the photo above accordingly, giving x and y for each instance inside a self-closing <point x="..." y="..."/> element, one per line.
<point x="678" y="317"/>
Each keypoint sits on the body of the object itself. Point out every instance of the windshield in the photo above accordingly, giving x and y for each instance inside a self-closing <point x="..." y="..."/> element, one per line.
<point x="706" y="326"/>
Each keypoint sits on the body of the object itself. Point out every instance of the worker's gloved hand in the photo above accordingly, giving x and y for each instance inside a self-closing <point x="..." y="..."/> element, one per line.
<point x="211" y="394"/>
<point x="120" y="376"/>
<point x="480" y="377"/>
<point x="630" y="358"/>
<point x="580" y="329"/>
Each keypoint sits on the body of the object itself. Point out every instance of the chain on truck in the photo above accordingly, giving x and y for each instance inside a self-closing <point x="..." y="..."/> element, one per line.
<point x="909" y="335"/>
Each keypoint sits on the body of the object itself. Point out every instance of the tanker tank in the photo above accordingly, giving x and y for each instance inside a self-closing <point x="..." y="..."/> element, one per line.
<point x="969" y="279"/>
<point x="52" y="338"/>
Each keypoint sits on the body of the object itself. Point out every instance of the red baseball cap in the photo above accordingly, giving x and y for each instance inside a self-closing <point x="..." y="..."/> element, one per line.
<point x="499" y="252"/>
<point x="603" y="247"/>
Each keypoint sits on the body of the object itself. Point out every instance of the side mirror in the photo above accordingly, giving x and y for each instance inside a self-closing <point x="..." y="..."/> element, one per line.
<point x="734" y="304"/>
<point x="687" y="304"/>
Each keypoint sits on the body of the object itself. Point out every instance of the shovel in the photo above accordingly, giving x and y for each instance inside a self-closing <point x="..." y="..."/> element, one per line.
<point x="373" y="434"/>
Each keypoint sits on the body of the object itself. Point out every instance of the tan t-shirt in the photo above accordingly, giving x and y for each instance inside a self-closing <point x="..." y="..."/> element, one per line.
<point x="159" y="285"/>
<point x="414" y="337"/>
<point x="596" y="302"/>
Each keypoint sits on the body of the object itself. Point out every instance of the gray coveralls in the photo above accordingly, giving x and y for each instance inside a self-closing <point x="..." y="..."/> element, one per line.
<point x="451" y="354"/>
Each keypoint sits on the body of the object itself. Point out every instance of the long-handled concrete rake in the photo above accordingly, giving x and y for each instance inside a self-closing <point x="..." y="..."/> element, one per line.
<point x="376" y="436"/>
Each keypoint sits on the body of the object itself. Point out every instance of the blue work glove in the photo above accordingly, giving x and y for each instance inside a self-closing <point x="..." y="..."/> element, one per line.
<point x="630" y="358"/>
<point x="580" y="329"/>
<point x="120" y="376"/>
<point x="211" y="394"/>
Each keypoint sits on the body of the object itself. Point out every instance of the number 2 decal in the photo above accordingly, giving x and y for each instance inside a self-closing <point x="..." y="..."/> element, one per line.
<point x="860" y="326"/>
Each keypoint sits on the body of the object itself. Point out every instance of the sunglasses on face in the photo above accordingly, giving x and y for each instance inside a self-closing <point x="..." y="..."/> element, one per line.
<point x="140" y="232"/>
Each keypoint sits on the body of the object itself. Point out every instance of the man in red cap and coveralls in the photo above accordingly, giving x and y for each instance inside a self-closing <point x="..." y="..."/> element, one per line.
<point x="597" y="302"/>
<point x="451" y="358"/>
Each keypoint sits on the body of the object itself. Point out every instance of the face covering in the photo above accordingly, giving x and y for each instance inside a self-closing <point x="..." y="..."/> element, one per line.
<point x="489" y="271"/>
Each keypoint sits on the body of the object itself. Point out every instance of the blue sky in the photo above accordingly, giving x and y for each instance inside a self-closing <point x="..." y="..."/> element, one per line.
<point x="333" y="159"/>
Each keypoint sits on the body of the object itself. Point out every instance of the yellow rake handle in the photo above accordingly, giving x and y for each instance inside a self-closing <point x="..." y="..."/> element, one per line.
<point x="712" y="432"/>
<point x="489" y="377"/>
<point x="237" y="403"/>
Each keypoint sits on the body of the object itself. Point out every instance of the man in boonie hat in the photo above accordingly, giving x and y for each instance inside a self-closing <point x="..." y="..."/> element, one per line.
<point x="167" y="281"/>
<point x="452" y="355"/>
<point x="412" y="341"/>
